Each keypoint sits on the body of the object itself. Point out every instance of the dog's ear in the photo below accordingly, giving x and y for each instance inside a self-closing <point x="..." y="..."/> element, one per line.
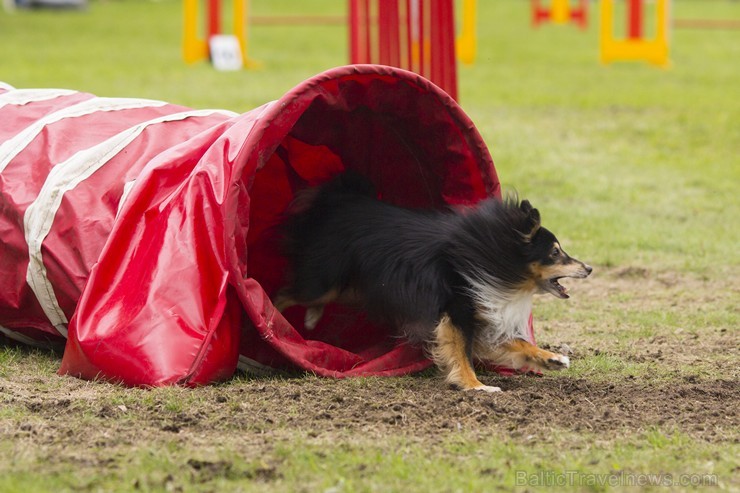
<point x="533" y="220"/>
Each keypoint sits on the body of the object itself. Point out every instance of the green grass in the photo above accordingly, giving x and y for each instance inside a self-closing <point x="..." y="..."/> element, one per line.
<point x="634" y="167"/>
<point x="588" y="463"/>
<point x="634" y="164"/>
<point x="453" y="469"/>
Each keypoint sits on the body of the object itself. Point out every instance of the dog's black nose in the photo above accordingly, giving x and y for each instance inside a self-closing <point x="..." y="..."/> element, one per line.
<point x="589" y="269"/>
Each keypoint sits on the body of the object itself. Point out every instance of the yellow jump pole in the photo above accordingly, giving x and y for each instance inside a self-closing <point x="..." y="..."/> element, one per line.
<point x="241" y="31"/>
<point x="193" y="47"/>
<point x="560" y="11"/>
<point x="662" y="33"/>
<point x="240" y="26"/>
<point x="606" y="30"/>
<point x="654" y="50"/>
<point x="466" y="42"/>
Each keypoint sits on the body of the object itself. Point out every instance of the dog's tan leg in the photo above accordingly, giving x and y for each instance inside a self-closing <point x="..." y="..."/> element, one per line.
<point x="282" y="302"/>
<point x="449" y="354"/>
<point x="314" y="309"/>
<point x="519" y="354"/>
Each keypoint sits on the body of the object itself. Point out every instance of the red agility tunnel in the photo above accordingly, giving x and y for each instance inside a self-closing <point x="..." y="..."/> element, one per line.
<point x="147" y="233"/>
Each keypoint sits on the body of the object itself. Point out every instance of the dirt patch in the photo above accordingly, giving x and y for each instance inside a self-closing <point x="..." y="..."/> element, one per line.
<point x="528" y="406"/>
<point x="420" y="406"/>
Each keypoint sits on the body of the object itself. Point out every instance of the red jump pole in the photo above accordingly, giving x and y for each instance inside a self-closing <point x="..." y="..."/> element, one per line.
<point x="214" y="17"/>
<point x="580" y="15"/>
<point x="410" y="39"/>
<point x="539" y="13"/>
<point x="359" y="17"/>
<point x="388" y="33"/>
<point x="416" y="34"/>
<point x="634" y="19"/>
<point x="448" y="60"/>
<point x="422" y="37"/>
<point x="354" y="32"/>
<point x="436" y="34"/>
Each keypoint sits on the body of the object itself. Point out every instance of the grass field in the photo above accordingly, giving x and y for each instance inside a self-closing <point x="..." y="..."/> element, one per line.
<point x="636" y="168"/>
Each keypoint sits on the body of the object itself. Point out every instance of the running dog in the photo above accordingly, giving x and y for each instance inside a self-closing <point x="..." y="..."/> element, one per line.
<point x="461" y="281"/>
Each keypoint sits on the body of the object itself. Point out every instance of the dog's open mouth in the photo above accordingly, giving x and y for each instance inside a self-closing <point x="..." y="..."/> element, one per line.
<point x="557" y="289"/>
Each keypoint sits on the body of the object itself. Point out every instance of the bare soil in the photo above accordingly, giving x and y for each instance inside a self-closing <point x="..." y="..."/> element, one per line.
<point x="418" y="406"/>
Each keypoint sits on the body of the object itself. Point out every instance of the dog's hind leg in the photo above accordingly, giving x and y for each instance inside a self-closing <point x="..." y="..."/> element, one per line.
<point x="283" y="301"/>
<point x="450" y="354"/>
<point x="313" y="315"/>
<point x="314" y="308"/>
<point x="518" y="354"/>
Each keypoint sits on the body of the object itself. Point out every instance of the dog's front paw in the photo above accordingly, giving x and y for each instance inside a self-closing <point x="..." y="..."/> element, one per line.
<point x="557" y="362"/>
<point x="485" y="388"/>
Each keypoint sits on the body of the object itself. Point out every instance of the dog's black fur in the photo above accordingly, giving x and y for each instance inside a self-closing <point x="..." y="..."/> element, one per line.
<point x="414" y="268"/>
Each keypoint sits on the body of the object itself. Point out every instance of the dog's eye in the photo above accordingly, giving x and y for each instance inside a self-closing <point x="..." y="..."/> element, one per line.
<point x="555" y="252"/>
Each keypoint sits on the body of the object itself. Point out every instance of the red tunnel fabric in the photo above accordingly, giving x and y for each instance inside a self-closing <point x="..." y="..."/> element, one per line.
<point x="147" y="233"/>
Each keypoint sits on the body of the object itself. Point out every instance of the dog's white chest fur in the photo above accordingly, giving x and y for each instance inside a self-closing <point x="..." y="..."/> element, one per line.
<point x="505" y="315"/>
